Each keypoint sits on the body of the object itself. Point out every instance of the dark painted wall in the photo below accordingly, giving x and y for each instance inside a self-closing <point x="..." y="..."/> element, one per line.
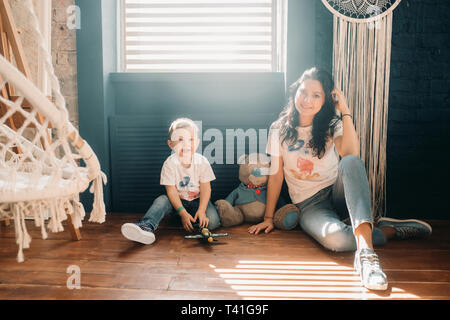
<point x="419" y="110"/>
<point x="301" y="38"/>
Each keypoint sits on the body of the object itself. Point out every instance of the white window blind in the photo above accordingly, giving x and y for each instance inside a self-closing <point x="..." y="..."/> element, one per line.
<point x="200" y="35"/>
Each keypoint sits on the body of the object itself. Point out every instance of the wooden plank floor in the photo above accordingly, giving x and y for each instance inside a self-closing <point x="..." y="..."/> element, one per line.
<point x="280" y="265"/>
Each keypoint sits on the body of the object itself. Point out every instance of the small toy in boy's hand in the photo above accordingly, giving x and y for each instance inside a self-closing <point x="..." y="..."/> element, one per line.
<point x="206" y="235"/>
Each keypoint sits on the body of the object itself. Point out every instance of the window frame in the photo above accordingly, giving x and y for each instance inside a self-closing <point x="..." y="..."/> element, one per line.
<point x="279" y="41"/>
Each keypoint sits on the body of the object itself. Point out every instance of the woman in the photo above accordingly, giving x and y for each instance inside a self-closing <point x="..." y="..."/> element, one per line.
<point x="303" y="144"/>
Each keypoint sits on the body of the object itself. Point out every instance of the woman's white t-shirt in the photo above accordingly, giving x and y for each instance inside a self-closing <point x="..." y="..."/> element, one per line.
<point x="305" y="174"/>
<point x="186" y="180"/>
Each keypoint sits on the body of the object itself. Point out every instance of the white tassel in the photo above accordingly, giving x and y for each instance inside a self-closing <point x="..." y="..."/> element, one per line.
<point x="62" y="207"/>
<point x="69" y="207"/>
<point x="55" y="224"/>
<point x="98" y="211"/>
<point x="23" y="239"/>
<point x="36" y="212"/>
<point x="26" y="240"/>
<point x="80" y="209"/>
<point x="41" y="217"/>
<point x="78" y="214"/>
<point x="61" y="214"/>
<point x="19" y="234"/>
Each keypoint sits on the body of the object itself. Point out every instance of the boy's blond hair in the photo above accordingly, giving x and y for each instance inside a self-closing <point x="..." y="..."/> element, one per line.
<point x="183" y="123"/>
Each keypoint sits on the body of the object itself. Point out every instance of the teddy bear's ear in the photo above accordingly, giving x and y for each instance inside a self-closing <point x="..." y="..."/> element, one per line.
<point x="258" y="159"/>
<point x="254" y="158"/>
<point x="243" y="159"/>
<point x="264" y="158"/>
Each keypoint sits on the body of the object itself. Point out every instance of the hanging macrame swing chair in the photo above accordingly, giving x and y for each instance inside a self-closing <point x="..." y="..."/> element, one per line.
<point x="40" y="171"/>
<point x="362" y="32"/>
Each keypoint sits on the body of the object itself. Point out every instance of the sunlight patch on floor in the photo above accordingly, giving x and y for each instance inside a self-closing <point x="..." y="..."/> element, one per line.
<point x="278" y="271"/>
<point x="269" y="279"/>
<point x="251" y="295"/>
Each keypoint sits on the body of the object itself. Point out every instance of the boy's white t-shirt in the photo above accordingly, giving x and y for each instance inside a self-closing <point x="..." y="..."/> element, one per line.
<point x="305" y="175"/>
<point x="186" y="180"/>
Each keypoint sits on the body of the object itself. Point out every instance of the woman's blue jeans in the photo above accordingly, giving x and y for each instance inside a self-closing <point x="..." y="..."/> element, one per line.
<point x="321" y="215"/>
<point x="162" y="207"/>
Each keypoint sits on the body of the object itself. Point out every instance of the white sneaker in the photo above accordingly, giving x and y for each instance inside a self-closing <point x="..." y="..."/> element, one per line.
<point x="368" y="266"/>
<point x="138" y="232"/>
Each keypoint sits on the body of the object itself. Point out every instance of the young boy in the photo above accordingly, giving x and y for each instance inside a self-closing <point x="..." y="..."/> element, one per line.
<point x="186" y="176"/>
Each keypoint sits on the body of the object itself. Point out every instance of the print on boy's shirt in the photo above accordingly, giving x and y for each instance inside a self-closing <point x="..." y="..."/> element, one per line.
<point x="186" y="183"/>
<point x="306" y="168"/>
<point x="193" y="195"/>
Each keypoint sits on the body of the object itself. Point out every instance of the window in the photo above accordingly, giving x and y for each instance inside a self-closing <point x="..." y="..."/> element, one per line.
<point x="202" y="35"/>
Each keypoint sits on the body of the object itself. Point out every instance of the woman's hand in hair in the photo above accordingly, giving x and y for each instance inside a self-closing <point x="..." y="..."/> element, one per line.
<point x="340" y="101"/>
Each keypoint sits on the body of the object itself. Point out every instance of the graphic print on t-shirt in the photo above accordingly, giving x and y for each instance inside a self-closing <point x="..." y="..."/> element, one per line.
<point x="305" y="168"/>
<point x="304" y="165"/>
<point x="186" y="183"/>
<point x="297" y="146"/>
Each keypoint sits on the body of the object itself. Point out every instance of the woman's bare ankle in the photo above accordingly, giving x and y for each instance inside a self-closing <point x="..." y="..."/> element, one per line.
<point x="363" y="234"/>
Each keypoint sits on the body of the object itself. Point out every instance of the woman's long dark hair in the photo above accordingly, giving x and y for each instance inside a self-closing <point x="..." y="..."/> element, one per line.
<point x="324" y="121"/>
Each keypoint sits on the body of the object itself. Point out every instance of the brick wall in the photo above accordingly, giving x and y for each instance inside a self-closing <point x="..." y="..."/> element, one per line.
<point x="64" y="53"/>
<point x="63" y="50"/>
<point x="26" y="37"/>
<point x="419" y="106"/>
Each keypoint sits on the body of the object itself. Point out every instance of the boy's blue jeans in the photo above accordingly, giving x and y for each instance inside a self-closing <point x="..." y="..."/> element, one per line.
<point x="162" y="207"/>
<point x="321" y="214"/>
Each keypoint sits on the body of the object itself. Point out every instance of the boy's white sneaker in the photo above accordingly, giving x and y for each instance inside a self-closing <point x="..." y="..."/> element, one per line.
<point x="139" y="232"/>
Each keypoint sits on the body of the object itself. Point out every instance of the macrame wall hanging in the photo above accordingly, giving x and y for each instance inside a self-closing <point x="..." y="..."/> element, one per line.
<point x="362" y="31"/>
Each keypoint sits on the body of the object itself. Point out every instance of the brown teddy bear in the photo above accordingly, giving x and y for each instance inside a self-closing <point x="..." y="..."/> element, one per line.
<point x="247" y="202"/>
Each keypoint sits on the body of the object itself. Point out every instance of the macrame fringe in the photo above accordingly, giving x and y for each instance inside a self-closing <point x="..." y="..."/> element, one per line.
<point x="59" y="209"/>
<point x="361" y="67"/>
<point x="40" y="220"/>
<point x="98" y="211"/>
<point x="78" y="214"/>
<point x="23" y="239"/>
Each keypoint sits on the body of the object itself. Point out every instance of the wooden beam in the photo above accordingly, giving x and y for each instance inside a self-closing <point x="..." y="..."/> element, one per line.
<point x="75" y="232"/>
<point x="5" y="50"/>
<point x="10" y="28"/>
